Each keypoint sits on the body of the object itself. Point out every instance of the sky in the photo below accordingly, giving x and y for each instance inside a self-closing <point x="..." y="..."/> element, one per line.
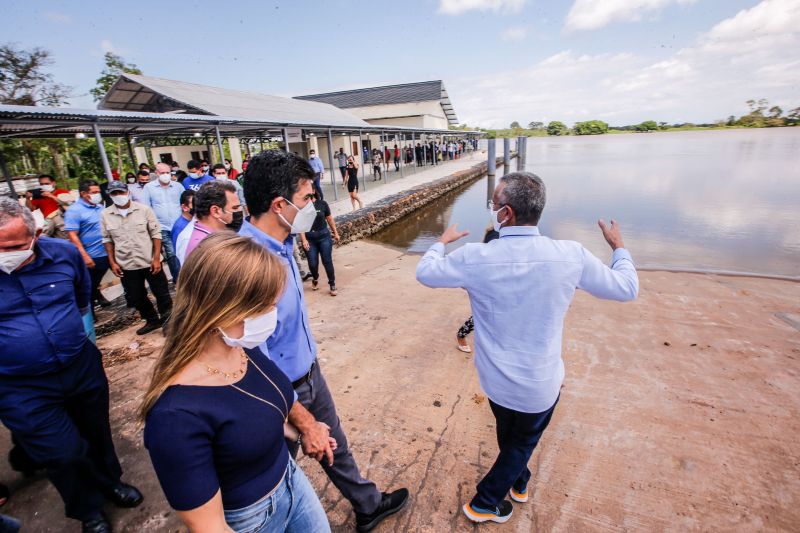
<point x="621" y="61"/>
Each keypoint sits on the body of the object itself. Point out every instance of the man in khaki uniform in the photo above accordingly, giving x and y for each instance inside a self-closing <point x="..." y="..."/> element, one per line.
<point x="132" y="237"/>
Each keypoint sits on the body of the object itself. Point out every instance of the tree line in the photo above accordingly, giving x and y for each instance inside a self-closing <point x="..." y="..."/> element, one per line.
<point x="760" y="115"/>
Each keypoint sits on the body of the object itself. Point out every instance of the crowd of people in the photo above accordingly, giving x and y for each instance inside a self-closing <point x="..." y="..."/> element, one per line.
<point x="238" y="390"/>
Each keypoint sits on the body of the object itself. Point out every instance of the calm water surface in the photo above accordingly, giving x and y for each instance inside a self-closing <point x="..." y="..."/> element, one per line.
<point x="716" y="200"/>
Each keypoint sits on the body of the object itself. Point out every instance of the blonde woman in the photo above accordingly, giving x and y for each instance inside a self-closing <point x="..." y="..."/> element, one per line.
<point x="214" y="413"/>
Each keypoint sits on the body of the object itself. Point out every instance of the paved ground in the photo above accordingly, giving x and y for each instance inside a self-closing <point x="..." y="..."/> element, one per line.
<point x="679" y="412"/>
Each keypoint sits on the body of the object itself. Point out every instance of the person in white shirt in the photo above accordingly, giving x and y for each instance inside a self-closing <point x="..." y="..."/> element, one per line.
<point x="520" y="287"/>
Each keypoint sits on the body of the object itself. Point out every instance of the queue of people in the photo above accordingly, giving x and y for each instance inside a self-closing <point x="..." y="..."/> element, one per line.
<point x="239" y="346"/>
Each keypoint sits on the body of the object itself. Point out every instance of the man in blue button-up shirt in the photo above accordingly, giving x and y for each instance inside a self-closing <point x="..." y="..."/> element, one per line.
<point x="163" y="196"/>
<point x="278" y="188"/>
<point x="52" y="384"/>
<point x="319" y="172"/>
<point x="520" y="287"/>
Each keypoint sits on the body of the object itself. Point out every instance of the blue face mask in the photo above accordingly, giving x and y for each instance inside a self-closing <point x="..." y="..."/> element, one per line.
<point x="192" y="174"/>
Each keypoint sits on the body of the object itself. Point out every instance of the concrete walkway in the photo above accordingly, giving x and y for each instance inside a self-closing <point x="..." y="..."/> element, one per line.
<point x="394" y="183"/>
<point x="679" y="411"/>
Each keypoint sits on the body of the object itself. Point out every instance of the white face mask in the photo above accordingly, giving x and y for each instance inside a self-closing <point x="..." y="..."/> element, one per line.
<point x="495" y="222"/>
<point x="256" y="330"/>
<point x="227" y="166"/>
<point x="303" y="220"/>
<point x="131" y="180"/>
<point x="164" y="178"/>
<point x="205" y="168"/>
<point x="47" y="188"/>
<point x="120" y="199"/>
<point x="10" y="261"/>
<point x="96" y="198"/>
<point x="192" y="174"/>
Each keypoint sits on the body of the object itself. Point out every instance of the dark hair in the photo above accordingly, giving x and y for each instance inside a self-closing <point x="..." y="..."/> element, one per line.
<point x="204" y="161"/>
<point x="180" y="175"/>
<point x="141" y="165"/>
<point x="130" y="175"/>
<point x="272" y="174"/>
<point x="218" y="166"/>
<point x="211" y="193"/>
<point x="48" y="176"/>
<point x="175" y="164"/>
<point x="85" y="185"/>
<point x="185" y="195"/>
<point x="144" y="173"/>
<point x="525" y="193"/>
<point x="192" y="164"/>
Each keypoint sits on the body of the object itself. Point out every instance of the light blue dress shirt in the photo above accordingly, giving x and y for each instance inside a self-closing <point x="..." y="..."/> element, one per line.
<point x="164" y="201"/>
<point x="520" y="287"/>
<point x="291" y="346"/>
<point x="316" y="164"/>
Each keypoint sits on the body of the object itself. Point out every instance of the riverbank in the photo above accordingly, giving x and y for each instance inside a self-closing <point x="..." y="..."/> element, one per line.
<point x="679" y="411"/>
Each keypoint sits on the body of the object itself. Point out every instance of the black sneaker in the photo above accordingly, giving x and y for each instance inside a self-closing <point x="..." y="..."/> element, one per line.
<point x="499" y="514"/>
<point x="307" y="276"/>
<point x="148" y="327"/>
<point x="391" y="502"/>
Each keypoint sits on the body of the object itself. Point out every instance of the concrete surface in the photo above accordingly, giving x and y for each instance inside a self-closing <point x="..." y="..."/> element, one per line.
<point x="679" y="412"/>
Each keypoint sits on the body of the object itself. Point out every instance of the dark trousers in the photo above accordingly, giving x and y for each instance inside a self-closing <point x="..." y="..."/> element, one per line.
<point x="96" y="274"/>
<point x="318" y="185"/>
<point x="133" y="283"/>
<point x="61" y="420"/>
<point x="518" y="434"/>
<point x="320" y="243"/>
<point x="315" y="396"/>
<point x="343" y="170"/>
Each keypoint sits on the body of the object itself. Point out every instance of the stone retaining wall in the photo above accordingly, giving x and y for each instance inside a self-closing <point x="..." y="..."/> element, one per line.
<point x="378" y="215"/>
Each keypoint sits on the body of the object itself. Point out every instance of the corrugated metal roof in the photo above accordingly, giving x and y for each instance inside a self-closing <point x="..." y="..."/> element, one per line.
<point x="133" y="92"/>
<point x="50" y="122"/>
<point x="423" y="91"/>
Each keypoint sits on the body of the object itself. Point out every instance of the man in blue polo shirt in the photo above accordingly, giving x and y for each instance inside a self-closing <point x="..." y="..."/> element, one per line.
<point x="279" y="190"/>
<point x="164" y="197"/>
<point x="54" y="389"/>
<point x="82" y="224"/>
<point x="195" y="177"/>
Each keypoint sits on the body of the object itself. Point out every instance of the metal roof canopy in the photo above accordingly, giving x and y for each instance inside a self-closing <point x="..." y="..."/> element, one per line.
<point x="421" y="91"/>
<point x="64" y="122"/>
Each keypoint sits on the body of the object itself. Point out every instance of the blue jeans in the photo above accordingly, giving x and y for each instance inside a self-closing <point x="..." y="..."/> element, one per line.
<point x="168" y="254"/>
<point x="318" y="185"/>
<point x="518" y="434"/>
<point x="320" y="243"/>
<point x="292" y="507"/>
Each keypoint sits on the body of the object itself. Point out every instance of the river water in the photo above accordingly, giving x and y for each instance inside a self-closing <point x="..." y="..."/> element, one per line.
<point x="726" y="200"/>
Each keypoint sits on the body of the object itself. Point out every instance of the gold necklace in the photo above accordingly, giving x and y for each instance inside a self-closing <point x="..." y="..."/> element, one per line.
<point x="230" y="375"/>
<point x="285" y="413"/>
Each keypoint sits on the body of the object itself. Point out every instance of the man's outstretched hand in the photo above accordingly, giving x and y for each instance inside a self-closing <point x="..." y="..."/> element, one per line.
<point x="452" y="234"/>
<point x="612" y="235"/>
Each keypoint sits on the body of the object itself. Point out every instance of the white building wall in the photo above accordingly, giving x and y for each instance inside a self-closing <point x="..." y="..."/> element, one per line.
<point x="415" y="114"/>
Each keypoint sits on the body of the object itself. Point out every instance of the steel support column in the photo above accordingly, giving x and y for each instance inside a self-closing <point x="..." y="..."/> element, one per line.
<point x="330" y="163"/>
<point x="285" y="139"/>
<point x="7" y="176"/>
<point x="102" y="149"/>
<point x="219" y="146"/>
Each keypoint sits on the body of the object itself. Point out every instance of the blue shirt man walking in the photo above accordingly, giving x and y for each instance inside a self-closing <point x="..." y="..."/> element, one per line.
<point x="163" y="196"/>
<point x="319" y="171"/>
<point x="279" y="194"/>
<point x="520" y="287"/>
<point x="54" y="388"/>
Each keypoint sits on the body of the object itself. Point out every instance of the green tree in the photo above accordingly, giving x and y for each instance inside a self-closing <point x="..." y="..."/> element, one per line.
<point x="647" y="125"/>
<point x="591" y="127"/>
<point x="23" y="80"/>
<point x="115" y="66"/>
<point x="557" y="128"/>
<point x="535" y="125"/>
<point x="775" y="111"/>
<point x="515" y="125"/>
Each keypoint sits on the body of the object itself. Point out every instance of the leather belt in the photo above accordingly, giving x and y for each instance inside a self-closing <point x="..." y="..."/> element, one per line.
<point x="305" y="377"/>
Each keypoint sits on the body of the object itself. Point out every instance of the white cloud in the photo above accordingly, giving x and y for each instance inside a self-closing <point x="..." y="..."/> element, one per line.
<point x="457" y="7"/>
<point x="515" y="34"/>
<point x="753" y="54"/>
<point x="55" y="16"/>
<point x="593" y="14"/>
